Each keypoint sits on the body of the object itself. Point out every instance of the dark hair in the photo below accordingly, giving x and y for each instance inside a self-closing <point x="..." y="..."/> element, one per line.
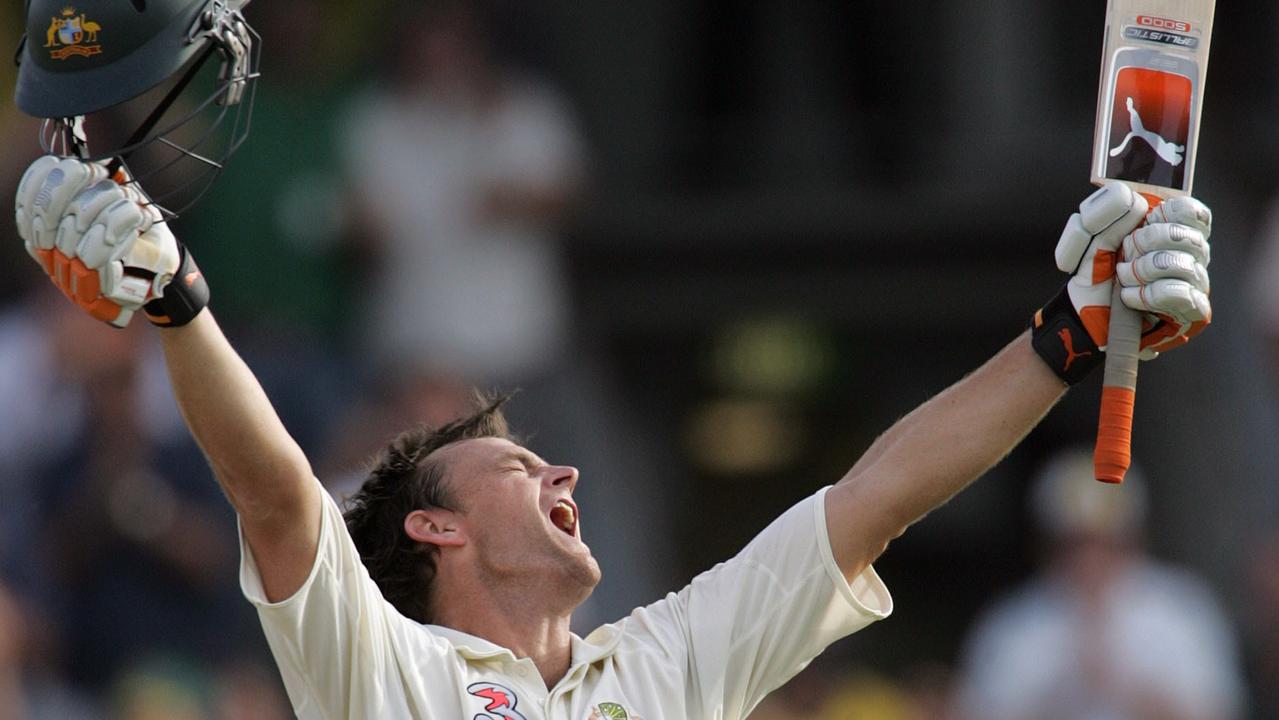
<point x="405" y="478"/>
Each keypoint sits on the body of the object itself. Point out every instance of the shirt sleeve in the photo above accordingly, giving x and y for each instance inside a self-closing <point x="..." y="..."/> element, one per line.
<point x="332" y="638"/>
<point x="747" y="626"/>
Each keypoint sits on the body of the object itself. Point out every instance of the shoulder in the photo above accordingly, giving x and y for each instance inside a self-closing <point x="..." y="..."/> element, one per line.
<point x="659" y="628"/>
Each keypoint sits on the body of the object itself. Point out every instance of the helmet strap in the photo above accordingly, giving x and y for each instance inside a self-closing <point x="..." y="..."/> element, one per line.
<point x="77" y="143"/>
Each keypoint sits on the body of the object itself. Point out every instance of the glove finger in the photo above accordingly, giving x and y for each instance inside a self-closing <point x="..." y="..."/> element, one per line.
<point x="1183" y="211"/>
<point x="92" y="201"/>
<point x="30" y="184"/>
<point x="1195" y="328"/>
<point x="83" y="232"/>
<point x="1175" y="298"/>
<point x="84" y="286"/>
<point x="1103" y="218"/>
<point x="1111" y="213"/>
<point x="1167" y="333"/>
<point x="81" y="213"/>
<point x="1161" y="331"/>
<point x="67" y="239"/>
<point x="55" y="193"/>
<point x="94" y="251"/>
<point x="1163" y="264"/>
<point x="1114" y="210"/>
<point x="124" y="221"/>
<point x="32" y="179"/>
<point x="1167" y="236"/>
<point x="1179" y="339"/>
<point x="1072" y="245"/>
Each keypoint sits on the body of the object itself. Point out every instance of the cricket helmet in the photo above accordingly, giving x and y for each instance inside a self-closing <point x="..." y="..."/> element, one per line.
<point x="82" y="56"/>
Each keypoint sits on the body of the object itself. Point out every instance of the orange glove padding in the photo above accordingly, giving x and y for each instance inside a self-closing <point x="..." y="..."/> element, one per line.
<point x="1161" y="265"/>
<point x="100" y="241"/>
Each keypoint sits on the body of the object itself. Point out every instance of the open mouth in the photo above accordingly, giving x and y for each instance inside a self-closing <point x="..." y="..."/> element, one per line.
<point x="564" y="517"/>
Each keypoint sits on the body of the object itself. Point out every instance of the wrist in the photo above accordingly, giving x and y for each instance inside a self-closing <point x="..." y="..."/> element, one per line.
<point x="1061" y="340"/>
<point x="183" y="298"/>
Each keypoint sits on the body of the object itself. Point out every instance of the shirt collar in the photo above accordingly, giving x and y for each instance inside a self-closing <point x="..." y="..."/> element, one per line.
<point x="470" y="646"/>
<point x="599" y="644"/>
<point x="596" y="646"/>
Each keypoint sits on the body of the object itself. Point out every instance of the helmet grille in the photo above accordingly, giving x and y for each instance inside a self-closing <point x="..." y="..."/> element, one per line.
<point x="180" y="161"/>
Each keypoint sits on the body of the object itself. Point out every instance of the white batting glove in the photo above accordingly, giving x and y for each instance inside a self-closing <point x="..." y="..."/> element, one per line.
<point x="1165" y="273"/>
<point x="1160" y="257"/>
<point x="101" y="242"/>
<point x="1162" y="269"/>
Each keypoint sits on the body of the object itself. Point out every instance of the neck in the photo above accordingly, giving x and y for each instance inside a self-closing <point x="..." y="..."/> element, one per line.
<point x="515" y="621"/>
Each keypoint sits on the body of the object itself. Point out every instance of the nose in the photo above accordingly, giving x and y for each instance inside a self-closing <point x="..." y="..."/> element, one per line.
<point x="559" y="476"/>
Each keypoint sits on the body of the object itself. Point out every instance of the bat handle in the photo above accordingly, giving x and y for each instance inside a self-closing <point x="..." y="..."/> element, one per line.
<point x="1113" y="453"/>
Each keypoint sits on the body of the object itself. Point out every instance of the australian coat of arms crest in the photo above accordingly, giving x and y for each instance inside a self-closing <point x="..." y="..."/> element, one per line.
<point x="72" y="34"/>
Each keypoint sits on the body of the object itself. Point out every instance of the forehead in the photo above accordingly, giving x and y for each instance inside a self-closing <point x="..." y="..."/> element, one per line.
<point x="468" y="458"/>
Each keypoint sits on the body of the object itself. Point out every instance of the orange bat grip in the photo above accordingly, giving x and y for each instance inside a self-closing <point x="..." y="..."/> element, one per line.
<point x="1113" y="454"/>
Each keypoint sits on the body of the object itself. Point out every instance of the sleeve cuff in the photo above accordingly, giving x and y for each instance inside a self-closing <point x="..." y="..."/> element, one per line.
<point x="251" y="579"/>
<point x="867" y="594"/>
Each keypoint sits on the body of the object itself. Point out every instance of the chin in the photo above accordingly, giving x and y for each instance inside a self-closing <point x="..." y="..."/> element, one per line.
<point x="582" y="568"/>
<point x="584" y="574"/>
<point x="593" y="573"/>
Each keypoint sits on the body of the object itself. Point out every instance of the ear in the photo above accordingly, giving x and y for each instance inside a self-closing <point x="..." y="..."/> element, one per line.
<point x="436" y="526"/>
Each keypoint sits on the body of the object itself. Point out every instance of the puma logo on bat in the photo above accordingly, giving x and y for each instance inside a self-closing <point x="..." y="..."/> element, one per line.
<point x="1170" y="152"/>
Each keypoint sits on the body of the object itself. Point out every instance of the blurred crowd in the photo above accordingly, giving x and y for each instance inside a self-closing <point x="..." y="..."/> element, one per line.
<point x="390" y="236"/>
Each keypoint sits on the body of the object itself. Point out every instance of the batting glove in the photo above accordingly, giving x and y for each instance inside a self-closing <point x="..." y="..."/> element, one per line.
<point x="1160" y="257"/>
<point x="104" y="245"/>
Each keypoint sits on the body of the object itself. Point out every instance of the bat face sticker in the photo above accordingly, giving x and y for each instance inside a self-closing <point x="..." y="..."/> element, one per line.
<point x="1170" y="152"/>
<point x="1149" y="127"/>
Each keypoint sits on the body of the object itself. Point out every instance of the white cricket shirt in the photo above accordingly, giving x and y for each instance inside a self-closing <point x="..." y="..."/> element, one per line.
<point x="712" y="650"/>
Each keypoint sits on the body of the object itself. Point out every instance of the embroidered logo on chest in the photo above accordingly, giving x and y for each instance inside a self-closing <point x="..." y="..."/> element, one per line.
<point x="611" y="711"/>
<point x="500" y="701"/>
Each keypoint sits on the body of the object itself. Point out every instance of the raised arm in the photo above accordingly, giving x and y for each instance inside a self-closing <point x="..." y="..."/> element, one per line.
<point x="948" y="442"/>
<point x="105" y="247"/>
<point x="936" y="451"/>
<point x="262" y="470"/>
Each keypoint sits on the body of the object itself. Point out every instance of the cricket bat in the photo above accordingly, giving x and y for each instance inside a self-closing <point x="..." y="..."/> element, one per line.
<point x="1154" y="62"/>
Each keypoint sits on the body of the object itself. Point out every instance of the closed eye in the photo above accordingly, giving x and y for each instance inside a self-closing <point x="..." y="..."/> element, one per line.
<point x="524" y="462"/>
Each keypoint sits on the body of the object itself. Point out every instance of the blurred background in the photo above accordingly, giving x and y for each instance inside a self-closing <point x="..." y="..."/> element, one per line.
<point x="720" y="246"/>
